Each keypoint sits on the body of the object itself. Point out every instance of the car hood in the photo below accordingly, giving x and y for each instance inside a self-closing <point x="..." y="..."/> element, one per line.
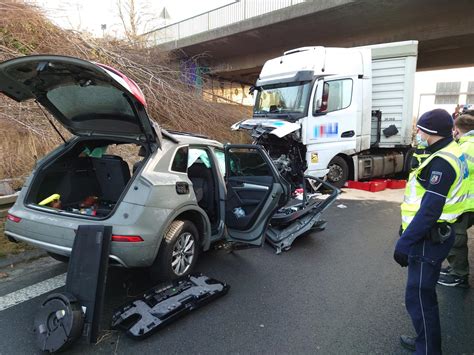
<point x="279" y="128"/>
<point x="86" y="98"/>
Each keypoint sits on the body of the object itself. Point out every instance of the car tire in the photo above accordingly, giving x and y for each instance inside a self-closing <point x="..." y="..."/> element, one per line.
<point x="59" y="257"/>
<point x="338" y="171"/>
<point x="178" y="254"/>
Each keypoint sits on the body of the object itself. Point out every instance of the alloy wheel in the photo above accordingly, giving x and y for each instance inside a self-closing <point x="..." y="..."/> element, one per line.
<point x="183" y="255"/>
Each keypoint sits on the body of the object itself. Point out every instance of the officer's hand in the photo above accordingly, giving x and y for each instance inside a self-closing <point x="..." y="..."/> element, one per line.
<point x="401" y="258"/>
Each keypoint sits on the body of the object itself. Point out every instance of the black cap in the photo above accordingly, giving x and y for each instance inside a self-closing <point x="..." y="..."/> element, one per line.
<point x="436" y="122"/>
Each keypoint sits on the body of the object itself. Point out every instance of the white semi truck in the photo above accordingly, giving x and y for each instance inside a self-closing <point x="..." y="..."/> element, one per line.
<point x="340" y="113"/>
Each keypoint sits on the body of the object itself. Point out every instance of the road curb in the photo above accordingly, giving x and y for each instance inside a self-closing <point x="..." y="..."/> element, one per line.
<point x="21" y="258"/>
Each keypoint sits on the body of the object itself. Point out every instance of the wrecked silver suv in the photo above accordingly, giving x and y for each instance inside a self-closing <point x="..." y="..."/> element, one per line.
<point x="185" y="193"/>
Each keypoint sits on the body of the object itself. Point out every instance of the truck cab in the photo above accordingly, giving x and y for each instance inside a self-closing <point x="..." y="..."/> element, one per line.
<point x="340" y="113"/>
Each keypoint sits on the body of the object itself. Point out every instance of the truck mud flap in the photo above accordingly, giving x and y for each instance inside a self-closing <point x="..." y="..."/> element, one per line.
<point x="299" y="218"/>
<point x="163" y="305"/>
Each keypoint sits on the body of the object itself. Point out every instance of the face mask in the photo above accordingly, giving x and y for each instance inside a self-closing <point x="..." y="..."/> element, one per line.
<point x="421" y="142"/>
<point x="456" y="136"/>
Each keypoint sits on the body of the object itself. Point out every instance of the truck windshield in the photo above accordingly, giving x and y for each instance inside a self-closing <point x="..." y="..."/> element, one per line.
<point x="283" y="98"/>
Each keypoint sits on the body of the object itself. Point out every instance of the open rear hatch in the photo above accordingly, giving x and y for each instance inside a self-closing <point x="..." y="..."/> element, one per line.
<point x="86" y="98"/>
<point x="94" y="102"/>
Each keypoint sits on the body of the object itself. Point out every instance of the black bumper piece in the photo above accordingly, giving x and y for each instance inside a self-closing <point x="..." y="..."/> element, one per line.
<point x="161" y="306"/>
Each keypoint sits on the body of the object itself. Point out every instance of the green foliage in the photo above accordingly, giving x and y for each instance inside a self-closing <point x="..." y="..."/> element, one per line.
<point x="8" y="40"/>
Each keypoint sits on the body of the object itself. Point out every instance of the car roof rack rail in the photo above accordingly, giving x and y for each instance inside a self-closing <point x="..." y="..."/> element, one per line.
<point x="181" y="133"/>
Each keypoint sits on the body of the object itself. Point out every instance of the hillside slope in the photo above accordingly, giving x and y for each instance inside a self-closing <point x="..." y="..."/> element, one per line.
<point x="25" y="134"/>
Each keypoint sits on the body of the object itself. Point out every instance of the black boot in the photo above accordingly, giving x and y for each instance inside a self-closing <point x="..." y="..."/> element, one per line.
<point x="408" y="342"/>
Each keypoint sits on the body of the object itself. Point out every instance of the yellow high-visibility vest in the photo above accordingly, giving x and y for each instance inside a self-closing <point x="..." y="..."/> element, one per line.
<point x="457" y="195"/>
<point x="466" y="143"/>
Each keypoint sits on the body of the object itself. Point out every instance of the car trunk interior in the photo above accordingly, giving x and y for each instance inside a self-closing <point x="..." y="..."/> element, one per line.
<point x="89" y="178"/>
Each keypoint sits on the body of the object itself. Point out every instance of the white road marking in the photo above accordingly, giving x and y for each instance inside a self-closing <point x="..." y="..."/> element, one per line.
<point x="27" y="293"/>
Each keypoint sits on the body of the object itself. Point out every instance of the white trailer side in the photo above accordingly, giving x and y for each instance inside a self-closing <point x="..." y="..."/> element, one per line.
<point x="393" y="78"/>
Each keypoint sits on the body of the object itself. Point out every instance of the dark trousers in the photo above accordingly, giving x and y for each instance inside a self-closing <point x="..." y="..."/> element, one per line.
<point x="458" y="256"/>
<point x="420" y="298"/>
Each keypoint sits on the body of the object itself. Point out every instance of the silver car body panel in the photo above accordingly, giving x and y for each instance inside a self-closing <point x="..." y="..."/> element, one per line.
<point x="147" y="209"/>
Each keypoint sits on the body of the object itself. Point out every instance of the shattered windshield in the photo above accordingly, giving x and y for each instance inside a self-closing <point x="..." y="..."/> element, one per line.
<point x="283" y="98"/>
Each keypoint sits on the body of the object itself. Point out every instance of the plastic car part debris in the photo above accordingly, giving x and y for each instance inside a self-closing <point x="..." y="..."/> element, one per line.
<point x="65" y="317"/>
<point x="299" y="217"/>
<point x="161" y="306"/>
<point x="58" y="322"/>
<point x="87" y="274"/>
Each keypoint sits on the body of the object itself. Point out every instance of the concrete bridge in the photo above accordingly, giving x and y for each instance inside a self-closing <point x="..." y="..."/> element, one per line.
<point x="237" y="51"/>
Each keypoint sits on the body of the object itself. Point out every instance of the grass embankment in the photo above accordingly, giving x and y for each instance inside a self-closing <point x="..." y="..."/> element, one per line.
<point x="175" y="100"/>
<point x="7" y="247"/>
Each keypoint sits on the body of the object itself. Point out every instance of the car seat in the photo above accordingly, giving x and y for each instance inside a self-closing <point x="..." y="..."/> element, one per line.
<point x="203" y="185"/>
<point x="113" y="175"/>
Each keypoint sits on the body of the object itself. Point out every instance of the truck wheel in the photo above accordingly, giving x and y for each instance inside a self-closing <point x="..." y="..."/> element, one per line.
<point x="178" y="252"/>
<point x="58" y="257"/>
<point x="338" y="171"/>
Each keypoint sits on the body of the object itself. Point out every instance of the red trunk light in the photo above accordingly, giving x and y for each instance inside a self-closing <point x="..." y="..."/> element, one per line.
<point x="13" y="218"/>
<point x="127" y="238"/>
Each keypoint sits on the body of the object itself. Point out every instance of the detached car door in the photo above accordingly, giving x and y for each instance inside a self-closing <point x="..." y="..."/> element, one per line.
<point x="255" y="190"/>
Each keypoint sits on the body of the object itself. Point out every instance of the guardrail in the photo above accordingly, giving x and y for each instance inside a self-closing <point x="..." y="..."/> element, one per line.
<point x="222" y="16"/>
<point x="6" y="202"/>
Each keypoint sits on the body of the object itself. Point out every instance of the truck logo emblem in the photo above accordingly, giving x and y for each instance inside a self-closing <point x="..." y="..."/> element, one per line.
<point x="326" y="130"/>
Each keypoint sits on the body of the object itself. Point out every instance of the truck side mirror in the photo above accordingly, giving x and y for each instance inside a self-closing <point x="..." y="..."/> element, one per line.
<point x="321" y="98"/>
<point x="253" y="88"/>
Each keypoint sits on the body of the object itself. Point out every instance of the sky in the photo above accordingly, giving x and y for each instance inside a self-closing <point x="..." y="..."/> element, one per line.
<point x="89" y="15"/>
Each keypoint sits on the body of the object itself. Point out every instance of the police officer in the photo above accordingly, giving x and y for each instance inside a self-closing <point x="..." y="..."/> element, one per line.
<point x="432" y="202"/>
<point x="456" y="274"/>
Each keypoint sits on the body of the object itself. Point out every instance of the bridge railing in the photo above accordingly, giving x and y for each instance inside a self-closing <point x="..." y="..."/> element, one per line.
<point x="225" y="15"/>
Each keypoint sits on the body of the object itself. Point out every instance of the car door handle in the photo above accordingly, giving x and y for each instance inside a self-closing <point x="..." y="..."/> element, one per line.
<point x="247" y="186"/>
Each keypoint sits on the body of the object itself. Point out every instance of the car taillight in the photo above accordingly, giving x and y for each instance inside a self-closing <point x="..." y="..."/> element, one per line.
<point x="13" y="218"/>
<point x="127" y="238"/>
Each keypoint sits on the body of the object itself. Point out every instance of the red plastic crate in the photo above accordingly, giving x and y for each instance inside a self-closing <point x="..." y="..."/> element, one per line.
<point x="376" y="186"/>
<point x="397" y="184"/>
<point x="372" y="186"/>
<point x="393" y="184"/>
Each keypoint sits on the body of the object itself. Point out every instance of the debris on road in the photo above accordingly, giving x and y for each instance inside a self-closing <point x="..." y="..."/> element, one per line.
<point x="161" y="306"/>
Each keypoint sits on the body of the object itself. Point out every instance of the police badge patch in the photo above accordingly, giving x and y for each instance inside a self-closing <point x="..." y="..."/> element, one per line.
<point x="435" y="177"/>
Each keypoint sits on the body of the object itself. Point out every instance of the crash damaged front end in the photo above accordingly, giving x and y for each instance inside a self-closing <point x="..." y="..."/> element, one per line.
<point x="302" y="213"/>
<point x="282" y="141"/>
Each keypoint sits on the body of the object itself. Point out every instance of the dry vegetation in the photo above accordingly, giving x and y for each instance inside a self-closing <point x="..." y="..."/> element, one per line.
<point x="25" y="135"/>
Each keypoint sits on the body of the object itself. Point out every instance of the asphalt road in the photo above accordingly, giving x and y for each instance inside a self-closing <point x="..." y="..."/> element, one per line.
<point x="335" y="292"/>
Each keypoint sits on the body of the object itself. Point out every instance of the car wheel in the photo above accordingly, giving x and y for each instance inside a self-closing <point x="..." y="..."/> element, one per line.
<point x="178" y="252"/>
<point x="338" y="171"/>
<point x="59" y="257"/>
